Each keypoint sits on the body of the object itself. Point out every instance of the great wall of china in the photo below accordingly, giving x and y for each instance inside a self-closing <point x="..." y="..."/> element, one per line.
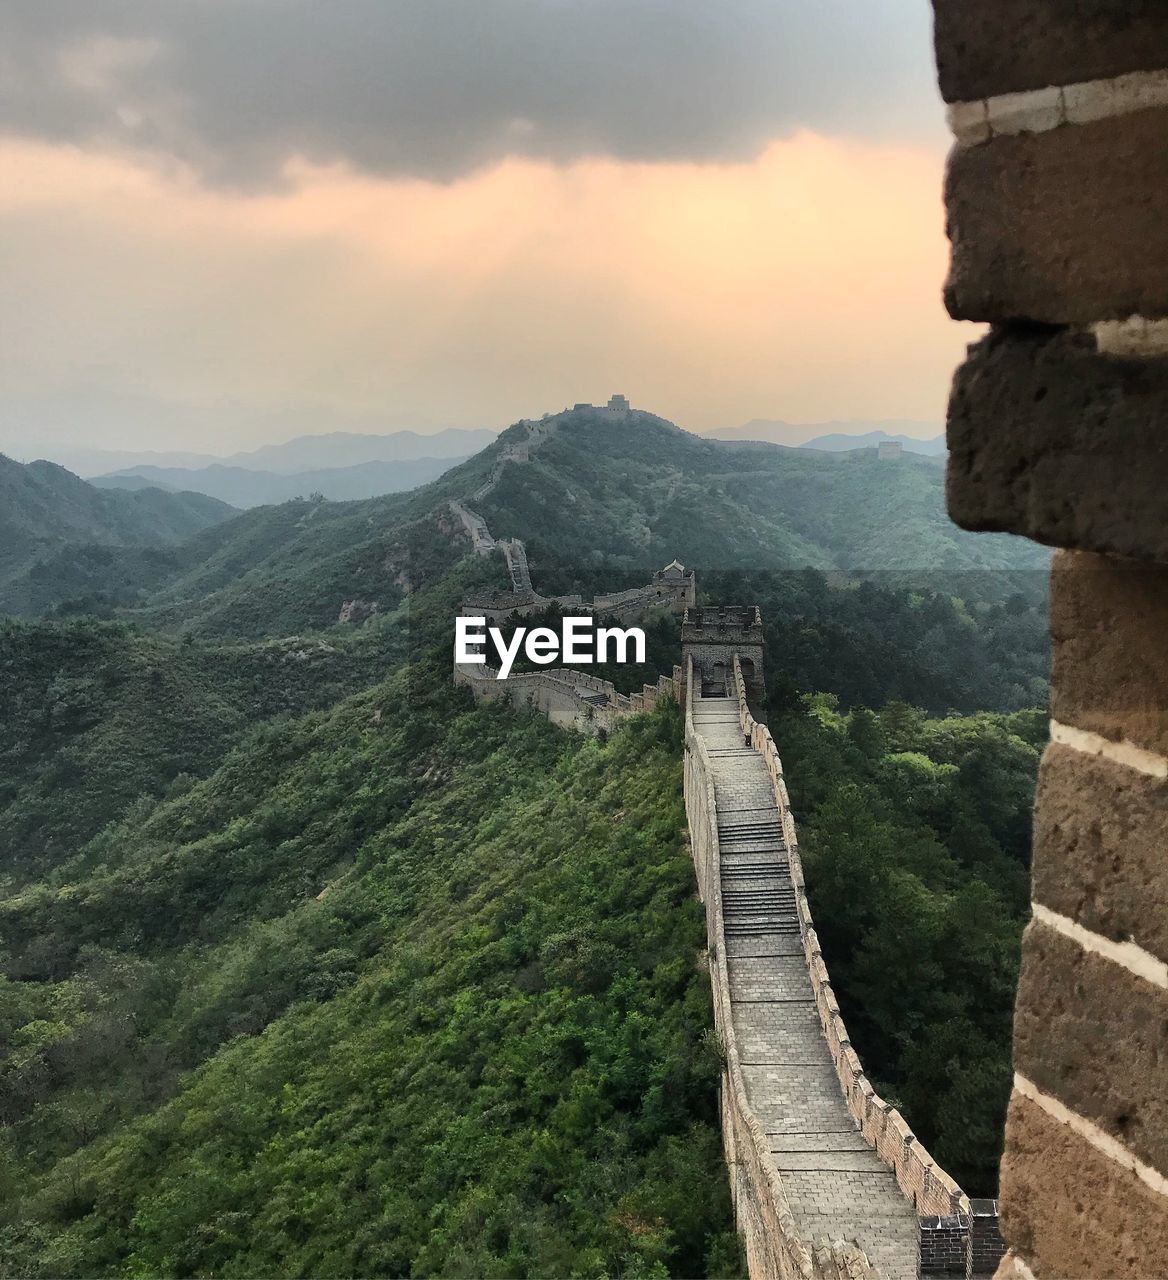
<point x="828" y="1180"/>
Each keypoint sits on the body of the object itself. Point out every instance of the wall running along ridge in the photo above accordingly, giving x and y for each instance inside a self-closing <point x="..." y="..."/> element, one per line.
<point x="829" y="1182"/>
<point x="1055" y="196"/>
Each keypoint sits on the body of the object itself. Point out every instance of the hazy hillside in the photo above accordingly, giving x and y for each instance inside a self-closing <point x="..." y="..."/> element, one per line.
<point x="244" y="487"/>
<point x="350" y="449"/>
<point x="46" y="511"/>
<point x="313" y="452"/>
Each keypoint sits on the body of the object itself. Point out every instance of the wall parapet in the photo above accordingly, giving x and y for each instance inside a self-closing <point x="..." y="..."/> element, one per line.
<point x="931" y="1190"/>
<point x="571" y="699"/>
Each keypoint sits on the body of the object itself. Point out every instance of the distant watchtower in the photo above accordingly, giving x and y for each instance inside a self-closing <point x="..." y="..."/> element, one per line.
<point x="713" y="635"/>
<point x="619" y="403"/>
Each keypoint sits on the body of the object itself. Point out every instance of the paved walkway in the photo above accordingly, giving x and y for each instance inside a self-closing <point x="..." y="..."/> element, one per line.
<point x="837" y="1186"/>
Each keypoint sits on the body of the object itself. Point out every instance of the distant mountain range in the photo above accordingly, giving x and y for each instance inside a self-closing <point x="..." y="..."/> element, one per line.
<point x="839" y="442"/>
<point x="302" y="453"/>
<point x="340" y="449"/>
<point x="340" y="465"/>
<point x="245" y="487"/>
<point x="918" y="437"/>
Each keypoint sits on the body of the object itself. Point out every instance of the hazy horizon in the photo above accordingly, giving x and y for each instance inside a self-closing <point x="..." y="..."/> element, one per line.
<point x="459" y="215"/>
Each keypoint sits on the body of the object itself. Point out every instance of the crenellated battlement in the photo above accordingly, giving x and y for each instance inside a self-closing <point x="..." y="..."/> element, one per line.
<point x="714" y="635"/>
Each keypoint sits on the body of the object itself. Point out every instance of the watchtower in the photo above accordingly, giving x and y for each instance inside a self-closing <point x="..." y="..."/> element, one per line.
<point x="712" y="635"/>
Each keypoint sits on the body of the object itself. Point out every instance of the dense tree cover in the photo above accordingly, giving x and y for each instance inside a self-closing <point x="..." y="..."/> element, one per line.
<point x="915" y="836"/>
<point x="485" y="1051"/>
<point x="102" y="714"/>
<point x="968" y="641"/>
<point x="868" y="638"/>
<point x="916" y="831"/>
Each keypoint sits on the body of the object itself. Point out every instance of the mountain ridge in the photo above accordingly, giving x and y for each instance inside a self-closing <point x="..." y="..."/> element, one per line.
<point x="298" y="453"/>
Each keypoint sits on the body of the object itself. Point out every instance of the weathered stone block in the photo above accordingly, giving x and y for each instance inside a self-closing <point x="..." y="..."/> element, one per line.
<point x="1049" y="439"/>
<point x="1090" y="1033"/>
<point x="1108" y="621"/>
<point x="1062" y="227"/>
<point x="1100" y="832"/>
<point x="1048" y="42"/>
<point x="1070" y="1211"/>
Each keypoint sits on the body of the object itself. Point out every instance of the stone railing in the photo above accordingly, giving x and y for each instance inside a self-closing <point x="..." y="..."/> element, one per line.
<point x="930" y="1189"/>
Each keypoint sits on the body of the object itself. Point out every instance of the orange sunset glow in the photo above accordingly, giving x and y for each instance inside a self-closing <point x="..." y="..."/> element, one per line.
<point x="147" y="303"/>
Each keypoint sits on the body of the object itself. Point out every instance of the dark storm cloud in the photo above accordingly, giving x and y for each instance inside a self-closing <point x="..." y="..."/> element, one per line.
<point x="435" y="88"/>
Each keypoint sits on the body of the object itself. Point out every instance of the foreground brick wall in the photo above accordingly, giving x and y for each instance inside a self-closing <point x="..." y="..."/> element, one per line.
<point x="1058" y="430"/>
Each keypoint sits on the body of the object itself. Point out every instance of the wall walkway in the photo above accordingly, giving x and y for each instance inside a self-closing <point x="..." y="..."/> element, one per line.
<point x="835" y="1183"/>
<point x="828" y="1178"/>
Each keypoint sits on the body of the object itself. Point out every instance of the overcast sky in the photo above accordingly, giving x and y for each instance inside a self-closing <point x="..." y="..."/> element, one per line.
<point x="228" y="221"/>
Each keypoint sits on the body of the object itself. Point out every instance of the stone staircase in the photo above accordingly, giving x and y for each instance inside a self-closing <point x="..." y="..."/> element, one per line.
<point x="837" y="1186"/>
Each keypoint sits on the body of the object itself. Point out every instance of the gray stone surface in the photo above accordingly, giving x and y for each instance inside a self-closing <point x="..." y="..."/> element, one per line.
<point x="1053" y="440"/>
<point x="837" y="1186"/>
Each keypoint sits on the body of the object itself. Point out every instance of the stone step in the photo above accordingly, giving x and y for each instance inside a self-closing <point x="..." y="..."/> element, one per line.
<point x="818" y="1140"/>
<point x="759" y="929"/>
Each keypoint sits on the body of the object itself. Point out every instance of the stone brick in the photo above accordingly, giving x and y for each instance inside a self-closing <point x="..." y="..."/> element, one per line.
<point x="1071" y="1212"/>
<point x="1062" y="227"/>
<point x="1048" y="42"/>
<point x="1108" y="621"/>
<point x="1051" y="440"/>
<point x="1100" y="831"/>
<point x="1091" y="1034"/>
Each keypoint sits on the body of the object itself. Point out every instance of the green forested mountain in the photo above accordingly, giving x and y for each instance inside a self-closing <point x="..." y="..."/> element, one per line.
<point x="308" y="966"/>
<point x="100" y="716"/>
<point x="641" y="491"/>
<point x="404" y="988"/>
<point x="50" y="522"/>
<point x="598" y="499"/>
